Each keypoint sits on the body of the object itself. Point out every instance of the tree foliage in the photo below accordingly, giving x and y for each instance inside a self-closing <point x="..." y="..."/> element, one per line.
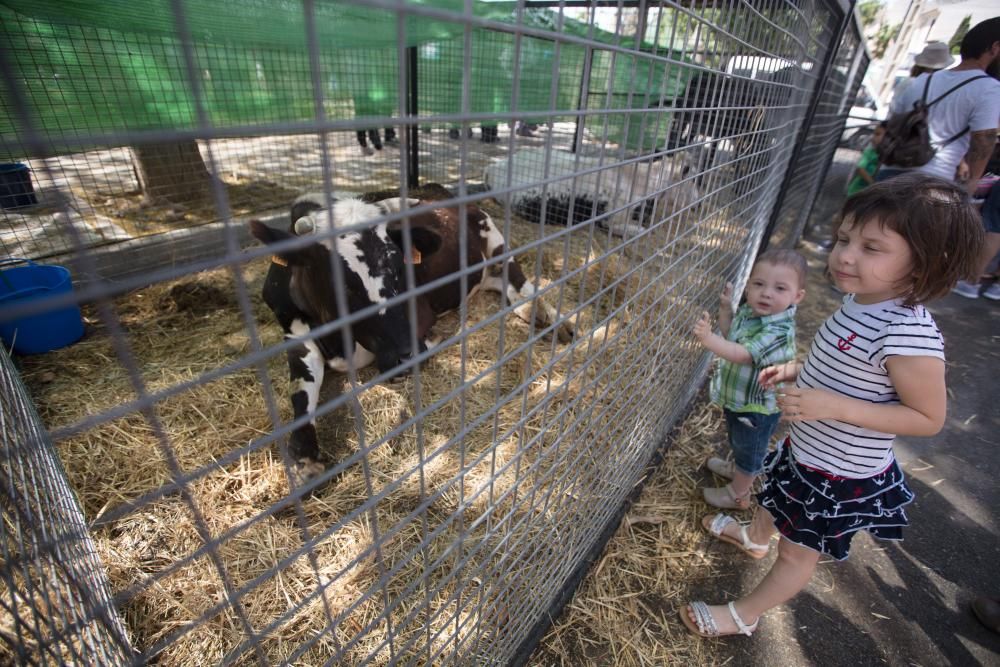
<point x="883" y="37"/>
<point x="955" y="43"/>
<point x="868" y="11"/>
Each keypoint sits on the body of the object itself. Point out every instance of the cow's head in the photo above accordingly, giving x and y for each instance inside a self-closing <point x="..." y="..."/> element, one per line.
<point x="371" y="262"/>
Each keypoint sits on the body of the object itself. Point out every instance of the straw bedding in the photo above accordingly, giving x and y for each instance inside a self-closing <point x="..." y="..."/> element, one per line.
<point x="138" y="216"/>
<point x="624" y="612"/>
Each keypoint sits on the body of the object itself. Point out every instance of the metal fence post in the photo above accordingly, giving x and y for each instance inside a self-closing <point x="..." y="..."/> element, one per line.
<point x="413" y="112"/>
<point x="851" y="93"/>
<point x="803" y="133"/>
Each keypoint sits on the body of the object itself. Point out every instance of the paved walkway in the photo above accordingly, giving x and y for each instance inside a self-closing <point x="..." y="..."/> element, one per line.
<point x="903" y="603"/>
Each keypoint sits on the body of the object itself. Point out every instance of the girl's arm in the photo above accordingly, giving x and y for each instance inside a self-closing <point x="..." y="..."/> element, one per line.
<point x="919" y="381"/>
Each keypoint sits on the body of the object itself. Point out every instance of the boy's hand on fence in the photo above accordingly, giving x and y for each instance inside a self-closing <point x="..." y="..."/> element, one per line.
<point x="703" y="327"/>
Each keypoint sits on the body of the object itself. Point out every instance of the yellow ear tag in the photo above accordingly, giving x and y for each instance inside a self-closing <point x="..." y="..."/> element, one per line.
<point x="278" y="260"/>
<point x="415" y="256"/>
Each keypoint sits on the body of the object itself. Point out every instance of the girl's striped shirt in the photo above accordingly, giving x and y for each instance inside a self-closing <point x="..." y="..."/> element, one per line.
<point x="848" y="357"/>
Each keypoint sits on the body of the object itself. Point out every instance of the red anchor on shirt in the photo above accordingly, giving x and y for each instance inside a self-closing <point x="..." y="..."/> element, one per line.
<point x="845" y="345"/>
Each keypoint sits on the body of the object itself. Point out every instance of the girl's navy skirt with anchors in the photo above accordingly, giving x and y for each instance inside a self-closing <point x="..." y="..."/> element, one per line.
<point x="823" y="511"/>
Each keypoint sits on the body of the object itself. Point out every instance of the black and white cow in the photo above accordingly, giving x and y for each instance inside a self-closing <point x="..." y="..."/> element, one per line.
<point x="628" y="194"/>
<point x="299" y="289"/>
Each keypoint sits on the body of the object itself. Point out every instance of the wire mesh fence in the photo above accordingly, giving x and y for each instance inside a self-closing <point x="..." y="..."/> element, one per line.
<point x="812" y="161"/>
<point x="56" y="602"/>
<point x="384" y="422"/>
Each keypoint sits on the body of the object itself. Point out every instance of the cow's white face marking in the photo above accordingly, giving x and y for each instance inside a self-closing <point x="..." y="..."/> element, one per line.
<point x="349" y="248"/>
<point x="348" y="212"/>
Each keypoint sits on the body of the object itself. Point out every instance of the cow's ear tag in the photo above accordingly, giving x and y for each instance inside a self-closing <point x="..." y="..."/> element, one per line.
<point x="280" y="261"/>
<point x="415" y="257"/>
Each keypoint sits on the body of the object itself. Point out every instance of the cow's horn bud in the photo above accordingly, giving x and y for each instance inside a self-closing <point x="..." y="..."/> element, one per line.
<point x="304" y="225"/>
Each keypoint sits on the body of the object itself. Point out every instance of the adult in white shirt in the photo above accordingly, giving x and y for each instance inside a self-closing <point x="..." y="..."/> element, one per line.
<point x="963" y="124"/>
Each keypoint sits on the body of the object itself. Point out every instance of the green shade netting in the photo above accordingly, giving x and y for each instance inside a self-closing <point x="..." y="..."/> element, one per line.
<point x="91" y="68"/>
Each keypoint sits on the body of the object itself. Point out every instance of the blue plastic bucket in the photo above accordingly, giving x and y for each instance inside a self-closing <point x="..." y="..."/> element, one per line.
<point x="44" y="331"/>
<point x="15" y="186"/>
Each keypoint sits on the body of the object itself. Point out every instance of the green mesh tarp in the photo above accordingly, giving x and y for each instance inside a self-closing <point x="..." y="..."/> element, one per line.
<point x="259" y="23"/>
<point x="92" y="68"/>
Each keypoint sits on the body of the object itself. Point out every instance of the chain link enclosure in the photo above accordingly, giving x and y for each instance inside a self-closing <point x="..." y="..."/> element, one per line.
<point x="634" y="156"/>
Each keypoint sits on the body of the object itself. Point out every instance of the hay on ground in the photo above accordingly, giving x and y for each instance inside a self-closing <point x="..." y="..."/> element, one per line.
<point x="333" y="596"/>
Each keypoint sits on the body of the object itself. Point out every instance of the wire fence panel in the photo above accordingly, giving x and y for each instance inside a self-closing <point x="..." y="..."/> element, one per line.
<point x="827" y="124"/>
<point x="387" y="305"/>
<point x="55" y="600"/>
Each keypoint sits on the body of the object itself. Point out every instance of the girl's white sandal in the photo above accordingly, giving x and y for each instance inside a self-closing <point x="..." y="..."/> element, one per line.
<point x="715" y="525"/>
<point x="705" y="626"/>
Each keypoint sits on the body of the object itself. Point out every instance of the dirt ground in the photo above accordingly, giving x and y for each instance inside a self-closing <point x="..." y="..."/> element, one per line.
<point x="260" y="174"/>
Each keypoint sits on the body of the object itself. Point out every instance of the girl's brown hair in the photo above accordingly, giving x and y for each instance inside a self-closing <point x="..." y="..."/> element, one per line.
<point x="942" y="227"/>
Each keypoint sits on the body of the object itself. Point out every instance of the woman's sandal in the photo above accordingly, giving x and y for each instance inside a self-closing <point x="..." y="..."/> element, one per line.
<point x="721" y="467"/>
<point x="704" y="625"/>
<point x="724" y="498"/>
<point x="715" y="525"/>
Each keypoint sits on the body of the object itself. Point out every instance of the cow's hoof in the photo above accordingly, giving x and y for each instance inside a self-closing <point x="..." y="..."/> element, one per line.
<point x="306" y="470"/>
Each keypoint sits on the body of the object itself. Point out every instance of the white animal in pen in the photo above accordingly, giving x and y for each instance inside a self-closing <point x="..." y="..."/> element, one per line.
<point x="624" y="196"/>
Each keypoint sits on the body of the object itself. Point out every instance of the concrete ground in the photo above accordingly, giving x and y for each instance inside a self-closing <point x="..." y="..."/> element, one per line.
<point x="900" y="603"/>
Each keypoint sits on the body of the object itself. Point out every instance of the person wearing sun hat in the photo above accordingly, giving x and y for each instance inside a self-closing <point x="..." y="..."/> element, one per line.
<point x="963" y="108"/>
<point x="935" y="56"/>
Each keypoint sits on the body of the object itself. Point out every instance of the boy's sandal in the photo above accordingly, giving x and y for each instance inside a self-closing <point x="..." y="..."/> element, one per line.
<point x="721" y="467"/>
<point x="715" y="525"/>
<point x="724" y="498"/>
<point x="705" y="626"/>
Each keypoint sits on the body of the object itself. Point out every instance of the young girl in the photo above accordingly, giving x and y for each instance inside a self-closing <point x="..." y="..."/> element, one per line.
<point x="875" y="370"/>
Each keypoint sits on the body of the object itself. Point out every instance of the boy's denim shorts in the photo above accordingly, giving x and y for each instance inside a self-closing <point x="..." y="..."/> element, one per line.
<point x="749" y="435"/>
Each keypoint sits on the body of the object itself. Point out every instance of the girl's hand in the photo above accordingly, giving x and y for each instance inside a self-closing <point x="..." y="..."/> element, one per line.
<point x="773" y="375"/>
<point x="703" y="328"/>
<point x="800" y="404"/>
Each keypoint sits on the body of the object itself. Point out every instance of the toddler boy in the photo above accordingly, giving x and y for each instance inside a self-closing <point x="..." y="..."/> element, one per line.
<point x="761" y="334"/>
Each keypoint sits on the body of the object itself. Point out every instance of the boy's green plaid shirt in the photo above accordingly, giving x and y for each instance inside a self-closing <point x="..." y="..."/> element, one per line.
<point x="769" y="340"/>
